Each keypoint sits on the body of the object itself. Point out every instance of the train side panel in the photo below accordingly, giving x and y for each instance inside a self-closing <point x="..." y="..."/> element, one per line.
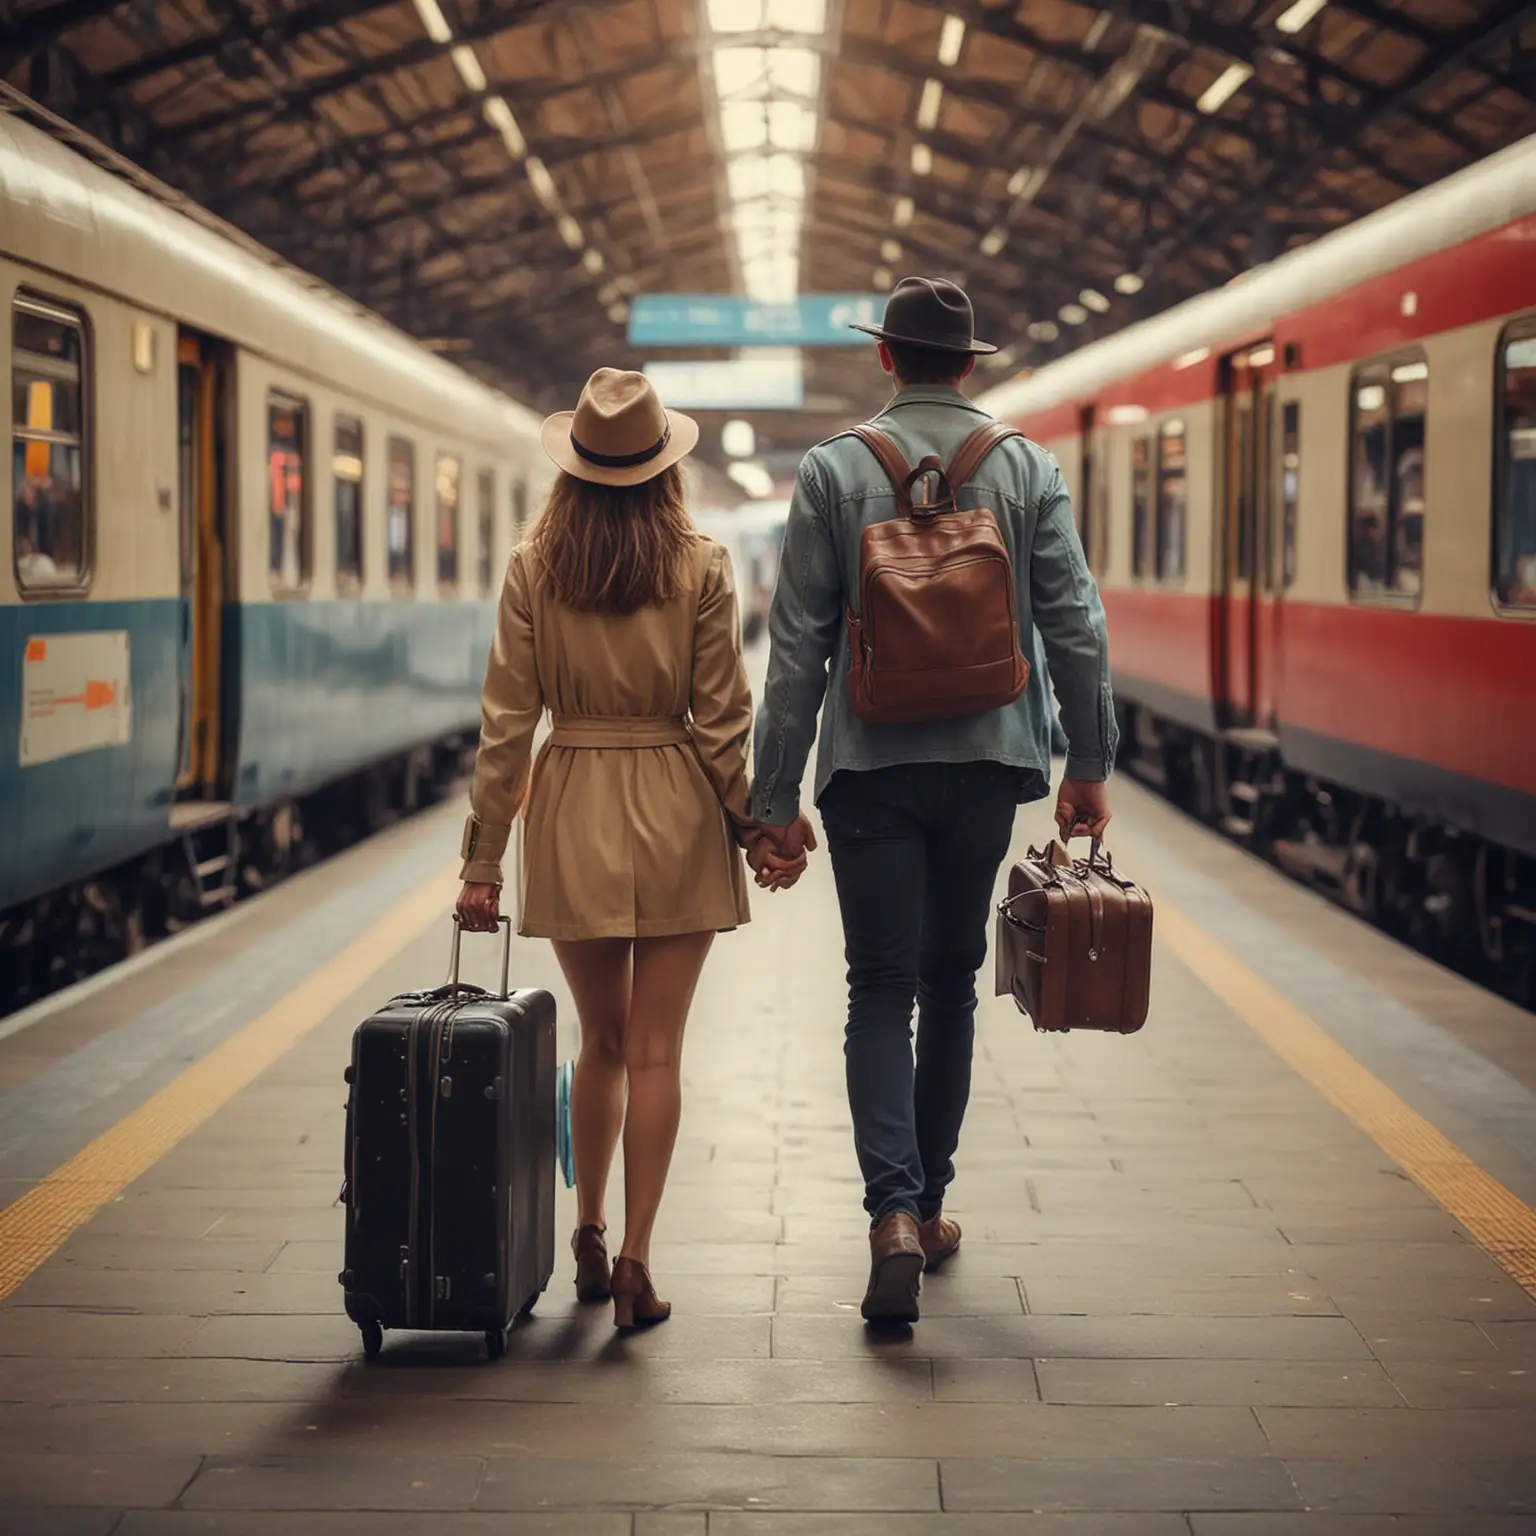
<point x="329" y="682"/>
<point x="1458" y="742"/>
<point x="74" y="662"/>
<point x="328" y="687"/>
<point x="1162" y="633"/>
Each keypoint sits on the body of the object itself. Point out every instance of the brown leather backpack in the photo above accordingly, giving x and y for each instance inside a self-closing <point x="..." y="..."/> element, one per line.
<point x="936" y="634"/>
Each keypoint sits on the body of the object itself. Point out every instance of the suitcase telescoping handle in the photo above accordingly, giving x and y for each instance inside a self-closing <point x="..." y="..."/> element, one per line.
<point x="505" y="924"/>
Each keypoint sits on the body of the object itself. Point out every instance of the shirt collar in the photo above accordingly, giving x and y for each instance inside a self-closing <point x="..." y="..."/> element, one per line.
<point x="932" y="394"/>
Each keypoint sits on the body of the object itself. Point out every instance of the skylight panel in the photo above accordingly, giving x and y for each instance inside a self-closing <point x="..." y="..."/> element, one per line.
<point x="740" y="72"/>
<point x="746" y="177"/>
<point x="769" y="119"/>
<point x="735" y="15"/>
<point x="791" y="126"/>
<point x="786" y="176"/>
<point x="794" y="72"/>
<point x="795" y="15"/>
<point x="743" y="126"/>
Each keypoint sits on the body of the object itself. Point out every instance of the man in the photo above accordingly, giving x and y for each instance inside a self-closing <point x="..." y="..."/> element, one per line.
<point x="918" y="818"/>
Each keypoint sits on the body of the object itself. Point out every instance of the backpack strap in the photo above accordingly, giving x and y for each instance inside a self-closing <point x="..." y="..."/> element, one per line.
<point x="891" y="461"/>
<point x="975" y="448"/>
<point x="902" y="476"/>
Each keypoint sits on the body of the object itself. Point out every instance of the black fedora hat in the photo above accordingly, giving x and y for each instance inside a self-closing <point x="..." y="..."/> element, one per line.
<point x="929" y="312"/>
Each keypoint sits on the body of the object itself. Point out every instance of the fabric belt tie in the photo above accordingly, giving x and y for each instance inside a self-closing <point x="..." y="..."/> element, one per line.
<point x="591" y="731"/>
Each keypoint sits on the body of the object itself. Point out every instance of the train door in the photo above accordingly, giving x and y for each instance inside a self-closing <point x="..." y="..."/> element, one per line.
<point x="1246" y="598"/>
<point x="1266" y="635"/>
<point x="1092" y="492"/>
<point x="201" y="461"/>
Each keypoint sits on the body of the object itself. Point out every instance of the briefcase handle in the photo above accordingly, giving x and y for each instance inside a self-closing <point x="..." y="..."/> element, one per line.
<point x="505" y="924"/>
<point x="1099" y="857"/>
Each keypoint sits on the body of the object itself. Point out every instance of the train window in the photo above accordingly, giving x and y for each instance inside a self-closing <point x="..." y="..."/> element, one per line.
<point x="288" y="541"/>
<point x="1141" y="504"/>
<point x="519" y="508"/>
<point x="48" y="448"/>
<point x="1290" y="487"/>
<point x="485" y="522"/>
<point x="1172" y="492"/>
<point x="347" y="472"/>
<point x="400" y="511"/>
<point x="446" y="485"/>
<point x="1386" y="526"/>
<point x="1514" y="526"/>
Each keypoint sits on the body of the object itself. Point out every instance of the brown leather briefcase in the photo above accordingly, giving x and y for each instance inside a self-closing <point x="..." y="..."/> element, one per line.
<point x="1074" y="942"/>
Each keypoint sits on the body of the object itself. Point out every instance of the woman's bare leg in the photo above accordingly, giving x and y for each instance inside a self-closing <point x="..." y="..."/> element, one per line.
<point x="598" y="974"/>
<point x="666" y="971"/>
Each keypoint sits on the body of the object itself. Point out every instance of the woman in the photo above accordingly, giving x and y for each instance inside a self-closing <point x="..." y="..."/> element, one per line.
<point x="621" y="619"/>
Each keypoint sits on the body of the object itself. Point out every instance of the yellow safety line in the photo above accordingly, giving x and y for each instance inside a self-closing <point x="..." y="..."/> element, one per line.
<point x="36" y="1226"/>
<point x="1502" y="1223"/>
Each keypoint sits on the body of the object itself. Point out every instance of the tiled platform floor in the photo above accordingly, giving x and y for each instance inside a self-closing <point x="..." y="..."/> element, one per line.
<point x="1193" y="1298"/>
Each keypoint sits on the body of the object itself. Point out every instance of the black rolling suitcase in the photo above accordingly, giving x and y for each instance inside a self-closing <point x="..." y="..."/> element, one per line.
<point x="450" y="1172"/>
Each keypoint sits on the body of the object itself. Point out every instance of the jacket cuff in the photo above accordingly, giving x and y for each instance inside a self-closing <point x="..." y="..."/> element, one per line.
<point x="779" y="810"/>
<point x="482" y="851"/>
<point x="1087" y="770"/>
<point x="480" y="873"/>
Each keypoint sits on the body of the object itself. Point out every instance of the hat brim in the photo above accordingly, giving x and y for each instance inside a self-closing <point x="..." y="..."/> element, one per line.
<point x="879" y="332"/>
<point x="555" y="437"/>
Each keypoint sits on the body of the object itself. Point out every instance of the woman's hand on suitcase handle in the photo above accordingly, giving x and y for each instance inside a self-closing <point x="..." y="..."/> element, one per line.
<point x="479" y="907"/>
<point x="1082" y="805"/>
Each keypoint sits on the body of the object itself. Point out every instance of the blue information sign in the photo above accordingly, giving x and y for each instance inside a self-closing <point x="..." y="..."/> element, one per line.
<point x="728" y="320"/>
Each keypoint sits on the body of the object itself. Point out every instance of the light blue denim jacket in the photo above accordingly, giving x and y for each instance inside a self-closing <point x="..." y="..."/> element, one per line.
<point x="841" y="490"/>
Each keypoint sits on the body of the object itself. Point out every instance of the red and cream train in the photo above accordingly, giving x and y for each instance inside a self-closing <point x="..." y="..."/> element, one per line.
<point x="1310" y="501"/>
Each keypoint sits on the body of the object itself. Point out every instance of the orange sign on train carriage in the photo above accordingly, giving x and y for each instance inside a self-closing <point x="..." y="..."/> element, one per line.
<point x="96" y="696"/>
<point x="76" y="695"/>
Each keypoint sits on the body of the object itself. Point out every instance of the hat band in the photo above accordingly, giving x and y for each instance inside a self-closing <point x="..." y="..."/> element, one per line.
<point x="622" y="460"/>
<point x="934" y="339"/>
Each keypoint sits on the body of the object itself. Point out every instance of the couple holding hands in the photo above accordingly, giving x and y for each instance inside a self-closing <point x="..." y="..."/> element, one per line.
<point x="621" y="620"/>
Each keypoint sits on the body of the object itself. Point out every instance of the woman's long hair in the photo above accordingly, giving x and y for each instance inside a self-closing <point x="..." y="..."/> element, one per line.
<point x="614" y="548"/>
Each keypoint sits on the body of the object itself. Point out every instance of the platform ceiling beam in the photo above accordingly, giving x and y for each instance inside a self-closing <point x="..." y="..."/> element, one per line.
<point x="38" y="30"/>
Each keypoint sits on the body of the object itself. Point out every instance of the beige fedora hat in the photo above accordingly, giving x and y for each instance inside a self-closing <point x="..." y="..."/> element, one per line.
<point x="619" y="433"/>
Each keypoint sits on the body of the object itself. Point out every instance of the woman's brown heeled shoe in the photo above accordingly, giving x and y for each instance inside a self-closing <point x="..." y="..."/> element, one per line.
<point x="591" y="1251"/>
<point x="635" y="1302"/>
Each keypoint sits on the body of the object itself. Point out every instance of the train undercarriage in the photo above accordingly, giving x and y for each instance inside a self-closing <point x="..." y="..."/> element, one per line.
<point x="1452" y="896"/>
<point x="211" y="862"/>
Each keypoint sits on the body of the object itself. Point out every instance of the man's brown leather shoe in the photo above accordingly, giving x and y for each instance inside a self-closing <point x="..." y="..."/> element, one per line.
<point x="895" y="1271"/>
<point x="940" y="1237"/>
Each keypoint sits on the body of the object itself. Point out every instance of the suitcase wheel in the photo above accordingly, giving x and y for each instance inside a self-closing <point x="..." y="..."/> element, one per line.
<point x="495" y="1343"/>
<point x="373" y="1338"/>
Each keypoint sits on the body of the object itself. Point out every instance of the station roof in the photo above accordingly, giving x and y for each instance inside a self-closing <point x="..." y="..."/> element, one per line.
<point x="501" y="177"/>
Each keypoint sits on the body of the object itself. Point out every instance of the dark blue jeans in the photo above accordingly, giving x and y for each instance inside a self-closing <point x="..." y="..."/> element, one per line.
<point x="915" y="852"/>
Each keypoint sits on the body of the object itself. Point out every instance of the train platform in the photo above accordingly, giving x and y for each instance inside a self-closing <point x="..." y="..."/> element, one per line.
<point x="1265" y="1269"/>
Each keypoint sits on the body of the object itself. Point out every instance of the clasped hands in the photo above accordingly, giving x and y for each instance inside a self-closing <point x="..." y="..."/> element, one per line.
<point x="778" y="854"/>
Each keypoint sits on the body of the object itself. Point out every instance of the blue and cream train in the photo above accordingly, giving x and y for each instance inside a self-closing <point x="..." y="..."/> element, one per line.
<point x="253" y="550"/>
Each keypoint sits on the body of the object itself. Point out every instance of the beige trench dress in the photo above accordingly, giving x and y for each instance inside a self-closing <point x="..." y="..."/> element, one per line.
<point x="633" y="811"/>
